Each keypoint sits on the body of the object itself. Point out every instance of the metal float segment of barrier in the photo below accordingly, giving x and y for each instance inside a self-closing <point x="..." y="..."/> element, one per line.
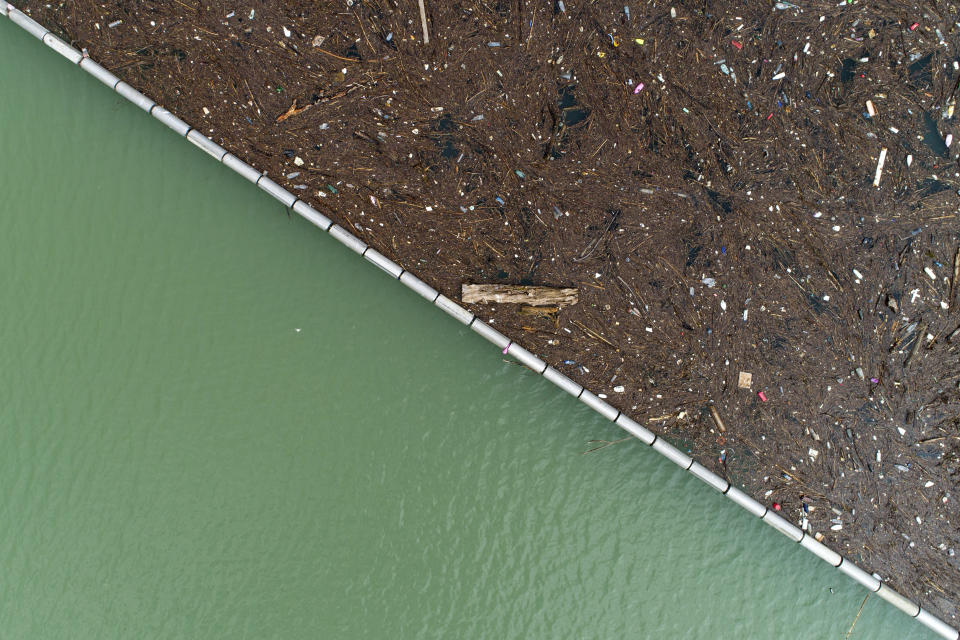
<point x="275" y="190"/>
<point x="134" y="96"/>
<point x="206" y="145"/>
<point x="171" y="121"/>
<point x="99" y="72"/>
<point x="348" y="239"/>
<point x="672" y="454"/>
<point x="872" y="583"/>
<point x="745" y="502"/>
<point x="561" y="380"/>
<point x="25" y="22"/>
<point x="463" y="315"/>
<point x="383" y="262"/>
<point x="783" y="526"/>
<point x="526" y="358"/>
<point x="709" y="477"/>
<point x="635" y="429"/>
<point x="242" y="168"/>
<point x="62" y="48"/>
<point x="453" y="309"/>
<point x="307" y="212"/>
<point x="821" y="550"/>
<point x="489" y="333"/>
<point x="903" y="603"/>
<point x="420" y="287"/>
<point x="937" y="625"/>
<point x="596" y="403"/>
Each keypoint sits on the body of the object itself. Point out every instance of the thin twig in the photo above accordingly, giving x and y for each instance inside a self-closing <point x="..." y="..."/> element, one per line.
<point x="956" y="276"/>
<point x="859" y="611"/>
<point x="606" y="443"/>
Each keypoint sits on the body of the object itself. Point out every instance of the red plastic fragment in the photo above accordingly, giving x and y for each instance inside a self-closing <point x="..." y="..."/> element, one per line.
<point x="914" y="26"/>
<point x="736" y="44"/>
<point x="762" y="396"/>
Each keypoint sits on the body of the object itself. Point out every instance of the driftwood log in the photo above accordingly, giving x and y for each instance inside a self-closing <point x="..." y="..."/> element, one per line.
<point x="516" y="294"/>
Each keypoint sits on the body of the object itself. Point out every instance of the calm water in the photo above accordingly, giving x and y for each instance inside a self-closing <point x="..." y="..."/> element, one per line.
<point x="179" y="461"/>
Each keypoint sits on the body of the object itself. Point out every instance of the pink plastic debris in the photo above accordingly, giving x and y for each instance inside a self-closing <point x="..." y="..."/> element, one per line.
<point x="914" y="26"/>
<point x="763" y="397"/>
<point x="638" y="88"/>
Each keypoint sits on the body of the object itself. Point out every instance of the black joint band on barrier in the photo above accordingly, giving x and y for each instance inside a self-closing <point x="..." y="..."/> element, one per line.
<point x="619" y="413"/>
<point x="765" y="509"/>
<point x="919" y="609"/>
<point x="403" y="271"/>
<point x="116" y="84"/>
<point x="257" y="183"/>
<point x="435" y="299"/>
<point x="471" y="322"/>
<point x="188" y="133"/>
<point x="545" y="367"/>
<point x="292" y="205"/>
<point x="690" y="465"/>
<point x="364" y="251"/>
<point x="155" y="105"/>
<point x="724" y="492"/>
<point x="582" y="389"/>
<point x="655" y="436"/>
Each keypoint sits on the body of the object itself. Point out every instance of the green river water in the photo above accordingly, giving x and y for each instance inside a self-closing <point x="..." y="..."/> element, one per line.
<point x="219" y="423"/>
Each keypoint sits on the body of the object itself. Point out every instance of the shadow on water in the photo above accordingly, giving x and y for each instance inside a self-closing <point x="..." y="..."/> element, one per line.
<point x="920" y="72"/>
<point x="932" y="137"/>
<point x="572" y="113"/>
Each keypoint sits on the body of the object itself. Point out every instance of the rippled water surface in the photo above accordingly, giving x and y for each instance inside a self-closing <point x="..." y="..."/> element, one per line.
<point x="218" y="423"/>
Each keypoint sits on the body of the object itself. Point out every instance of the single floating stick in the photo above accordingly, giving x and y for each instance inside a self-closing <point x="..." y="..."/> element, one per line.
<point x="883" y="157"/>
<point x="716" y="418"/>
<point x="956" y="276"/>
<point x="921" y="336"/>
<point x="423" y="21"/>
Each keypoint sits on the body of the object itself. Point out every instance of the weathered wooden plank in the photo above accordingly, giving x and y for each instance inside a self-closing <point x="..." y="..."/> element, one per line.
<point x="517" y="294"/>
